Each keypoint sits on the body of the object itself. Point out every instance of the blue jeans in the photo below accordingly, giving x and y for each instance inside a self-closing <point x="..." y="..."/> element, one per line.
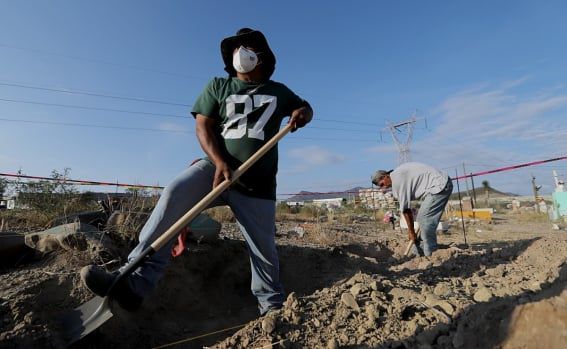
<point x="255" y="217"/>
<point x="428" y="217"/>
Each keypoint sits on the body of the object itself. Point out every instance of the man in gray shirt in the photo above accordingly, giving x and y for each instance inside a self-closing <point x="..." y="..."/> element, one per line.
<point x="413" y="181"/>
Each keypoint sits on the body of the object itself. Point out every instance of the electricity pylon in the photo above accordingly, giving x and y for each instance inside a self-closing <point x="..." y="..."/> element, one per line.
<point x="403" y="128"/>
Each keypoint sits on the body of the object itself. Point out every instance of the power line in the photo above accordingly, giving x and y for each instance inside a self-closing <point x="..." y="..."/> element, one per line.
<point x="461" y="141"/>
<point x="90" y="182"/>
<point x="136" y="99"/>
<point x="74" y="106"/>
<point x="95" y="94"/>
<point x="346" y="122"/>
<point x="339" y="129"/>
<point x="93" y="126"/>
<point x="151" y="70"/>
<point x="56" y="123"/>
<point x="111" y="63"/>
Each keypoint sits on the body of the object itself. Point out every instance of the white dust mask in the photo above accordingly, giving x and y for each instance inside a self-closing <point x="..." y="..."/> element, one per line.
<point x="244" y="60"/>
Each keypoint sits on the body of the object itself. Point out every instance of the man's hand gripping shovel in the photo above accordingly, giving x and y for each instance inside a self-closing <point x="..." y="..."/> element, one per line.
<point x="413" y="243"/>
<point x="91" y="315"/>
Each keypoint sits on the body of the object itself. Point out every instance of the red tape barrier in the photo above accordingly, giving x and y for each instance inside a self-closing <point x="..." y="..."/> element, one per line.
<point x="511" y="167"/>
<point x="84" y="182"/>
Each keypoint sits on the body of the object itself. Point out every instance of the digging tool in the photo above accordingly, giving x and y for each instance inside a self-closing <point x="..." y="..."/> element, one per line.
<point x="411" y="243"/>
<point x="91" y="315"/>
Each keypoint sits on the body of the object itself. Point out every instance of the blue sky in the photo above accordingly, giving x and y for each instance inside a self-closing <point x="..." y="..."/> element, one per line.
<point x="489" y="78"/>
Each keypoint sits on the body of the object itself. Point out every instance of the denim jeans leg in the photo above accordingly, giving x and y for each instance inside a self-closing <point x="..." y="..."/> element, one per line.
<point x="177" y="198"/>
<point x="429" y="215"/>
<point x="256" y="218"/>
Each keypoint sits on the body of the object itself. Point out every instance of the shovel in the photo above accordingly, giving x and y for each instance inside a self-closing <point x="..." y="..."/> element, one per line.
<point x="411" y="243"/>
<point x="91" y="315"/>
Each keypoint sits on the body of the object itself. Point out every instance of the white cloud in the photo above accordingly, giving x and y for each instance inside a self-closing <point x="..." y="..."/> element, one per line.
<point x="495" y="126"/>
<point x="489" y="115"/>
<point x="513" y="83"/>
<point x="313" y="156"/>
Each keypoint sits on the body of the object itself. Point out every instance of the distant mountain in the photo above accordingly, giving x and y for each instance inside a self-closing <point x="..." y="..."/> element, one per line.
<point x="349" y="193"/>
<point x="480" y="191"/>
<point x="310" y="196"/>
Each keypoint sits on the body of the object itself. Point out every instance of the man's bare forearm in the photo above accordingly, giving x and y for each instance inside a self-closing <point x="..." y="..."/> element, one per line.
<point x="205" y="130"/>
<point x="408" y="215"/>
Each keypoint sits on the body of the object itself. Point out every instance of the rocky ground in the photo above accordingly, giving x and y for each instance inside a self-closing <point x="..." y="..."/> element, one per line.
<point x="349" y="287"/>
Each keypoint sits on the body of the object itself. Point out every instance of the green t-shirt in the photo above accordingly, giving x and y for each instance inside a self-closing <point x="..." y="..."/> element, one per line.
<point x="248" y="115"/>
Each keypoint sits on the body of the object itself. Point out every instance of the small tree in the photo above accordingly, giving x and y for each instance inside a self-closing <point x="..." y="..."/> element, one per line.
<point x="486" y="186"/>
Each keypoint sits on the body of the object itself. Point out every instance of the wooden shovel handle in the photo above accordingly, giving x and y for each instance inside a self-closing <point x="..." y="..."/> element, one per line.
<point x="411" y="243"/>
<point x="408" y="248"/>
<point x="209" y="198"/>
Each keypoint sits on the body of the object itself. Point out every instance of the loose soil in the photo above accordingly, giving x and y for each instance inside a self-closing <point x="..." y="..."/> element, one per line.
<point x="348" y="284"/>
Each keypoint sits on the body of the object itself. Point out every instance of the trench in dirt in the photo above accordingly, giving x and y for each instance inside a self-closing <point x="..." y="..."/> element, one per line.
<point x="208" y="289"/>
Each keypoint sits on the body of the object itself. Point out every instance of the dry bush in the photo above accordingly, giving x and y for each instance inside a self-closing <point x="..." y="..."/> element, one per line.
<point x="533" y="217"/>
<point x="130" y="214"/>
<point x="319" y="234"/>
<point x="22" y="220"/>
<point x="39" y="202"/>
<point x="284" y="212"/>
<point x="344" y="218"/>
<point x="34" y="219"/>
<point x="311" y="213"/>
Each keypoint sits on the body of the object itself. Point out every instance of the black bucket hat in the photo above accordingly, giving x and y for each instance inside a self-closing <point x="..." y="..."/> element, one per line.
<point x="248" y="38"/>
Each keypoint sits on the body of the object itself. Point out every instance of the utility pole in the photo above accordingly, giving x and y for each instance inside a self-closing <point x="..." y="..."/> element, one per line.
<point x="535" y="189"/>
<point x="467" y="185"/>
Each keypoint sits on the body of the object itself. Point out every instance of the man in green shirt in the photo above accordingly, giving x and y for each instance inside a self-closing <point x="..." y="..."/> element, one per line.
<point x="234" y="116"/>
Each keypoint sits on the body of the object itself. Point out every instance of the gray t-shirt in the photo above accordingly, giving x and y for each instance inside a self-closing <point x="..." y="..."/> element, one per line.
<point x="413" y="180"/>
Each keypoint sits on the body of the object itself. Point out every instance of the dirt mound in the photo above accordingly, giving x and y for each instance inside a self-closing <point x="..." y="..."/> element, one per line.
<point x="548" y="331"/>
<point x="31" y="296"/>
<point x="455" y="299"/>
<point x="349" y="287"/>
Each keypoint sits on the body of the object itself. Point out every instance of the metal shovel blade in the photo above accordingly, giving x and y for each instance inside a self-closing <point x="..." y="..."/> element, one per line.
<point x="86" y="318"/>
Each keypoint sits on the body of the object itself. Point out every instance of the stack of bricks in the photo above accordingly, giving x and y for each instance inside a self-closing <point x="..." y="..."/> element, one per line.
<point x="377" y="199"/>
